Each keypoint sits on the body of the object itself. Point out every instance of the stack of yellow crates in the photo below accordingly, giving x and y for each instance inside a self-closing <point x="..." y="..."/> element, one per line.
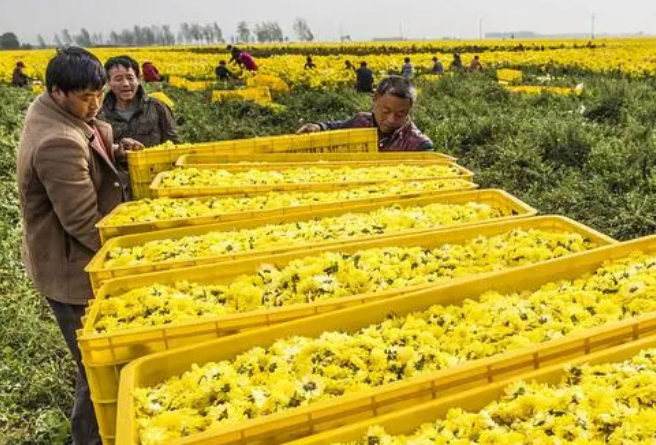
<point x="119" y="361"/>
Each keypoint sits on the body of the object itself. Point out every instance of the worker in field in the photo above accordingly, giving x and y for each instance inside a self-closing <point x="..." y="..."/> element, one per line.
<point x="476" y="66"/>
<point x="438" y="67"/>
<point x="242" y="58"/>
<point x="407" y="70"/>
<point x="67" y="181"/>
<point x="392" y="103"/>
<point x="456" y="64"/>
<point x="150" y="72"/>
<point x="348" y="65"/>
<point x="19" y="78"/>
<point x="130" y="111"/>
<point x="223" y="74"/>
<point x="364" y="79"/>
<point x="309" y="64"/>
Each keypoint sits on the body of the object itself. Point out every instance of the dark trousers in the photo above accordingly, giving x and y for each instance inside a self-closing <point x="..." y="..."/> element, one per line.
<point x="84" y="427"/>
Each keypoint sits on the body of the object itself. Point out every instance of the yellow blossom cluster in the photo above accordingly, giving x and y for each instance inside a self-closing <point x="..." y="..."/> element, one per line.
<point x="387" y="220"/>
<point x="298" y="371"/>
<point x="163" y="209"/>
<point x="612" y="403"/>
<point x="194" y="177"/>
<point x="333" y="275"/>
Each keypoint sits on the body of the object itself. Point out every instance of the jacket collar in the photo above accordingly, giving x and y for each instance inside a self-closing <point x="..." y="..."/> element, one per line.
<point x="85" y="129"/>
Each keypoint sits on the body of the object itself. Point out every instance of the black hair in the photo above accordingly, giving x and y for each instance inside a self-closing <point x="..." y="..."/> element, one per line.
<point x="75" y="69"/>
<point x="126" y="62"/>
<point x="363" y="63"/>
<point x="398" y="86"/>
<point x="407" y="60"/>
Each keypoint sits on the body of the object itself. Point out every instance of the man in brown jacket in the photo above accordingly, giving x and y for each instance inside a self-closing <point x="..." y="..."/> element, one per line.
<point x="67" y="181"/>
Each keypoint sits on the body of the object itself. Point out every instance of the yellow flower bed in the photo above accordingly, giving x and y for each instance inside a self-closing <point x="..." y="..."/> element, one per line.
<point x="299" y="371"/>
<point x="381" y="221"/>
<point x="593" y="405"/>
<point x="633" y="56"/>
<point x="333" y="275"/>
<point x="194" y="177"/>
<point x="161" y="209"/>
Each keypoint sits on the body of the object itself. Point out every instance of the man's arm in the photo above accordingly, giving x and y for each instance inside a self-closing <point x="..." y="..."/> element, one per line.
<point x="323" y="126"/>
<point x="336" y="125"/>
<point x="63" y="169"/>
<point x="427" y="145"/>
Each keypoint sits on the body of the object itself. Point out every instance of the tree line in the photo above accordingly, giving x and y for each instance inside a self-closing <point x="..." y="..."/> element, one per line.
<point x="163" y="35"/>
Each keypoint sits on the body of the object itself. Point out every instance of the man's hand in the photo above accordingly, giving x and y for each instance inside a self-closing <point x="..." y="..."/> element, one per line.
<point x="309" y="128"/>
<point x="127" y="144"/>
<point x="130" y="144"/>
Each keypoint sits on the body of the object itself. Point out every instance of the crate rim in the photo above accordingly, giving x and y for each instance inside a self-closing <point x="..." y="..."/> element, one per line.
<point x="529" y="212"/>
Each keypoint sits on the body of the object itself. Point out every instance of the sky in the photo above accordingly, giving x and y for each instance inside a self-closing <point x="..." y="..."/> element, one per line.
<point x="361" y="19"/>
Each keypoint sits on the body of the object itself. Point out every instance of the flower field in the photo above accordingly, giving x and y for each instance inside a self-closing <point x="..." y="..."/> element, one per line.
<point x="630" y="56"/>
<point x="588" y="153"/>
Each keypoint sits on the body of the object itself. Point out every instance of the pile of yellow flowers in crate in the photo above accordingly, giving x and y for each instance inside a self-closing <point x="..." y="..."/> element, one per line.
<point x="333" y="275"/>
<point x="190" y="177"/>
<point x="163" y="209"/>
<point x="608" y="403"/>
<point x="350" y="225"/>
<point x="299" y="371"/>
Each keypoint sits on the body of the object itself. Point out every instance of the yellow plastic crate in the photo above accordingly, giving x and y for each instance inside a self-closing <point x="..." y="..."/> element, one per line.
<point x="275" y="83"/>
<point x="144" y="165"/>
<point x="98" y="273"/>
<point x="185" y="192"/>
<point x="161" y="96"/>
<point x="110" y="230"/>
<point x="329" y="414"/>
<point x="260" y="94"/>
<point x="539" y="89"/>
<point x="104" y="355"/>
<point x="407" y="421"/>
<point x="507" y="75"/>
<point x="203" y="160"/>
<point x="277" y="166"/>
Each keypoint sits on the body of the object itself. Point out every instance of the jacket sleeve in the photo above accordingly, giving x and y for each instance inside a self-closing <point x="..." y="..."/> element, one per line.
<point x="336" y="125"/>
<point x="427" y="145"/>
<point x="63" y="169"/>
<point x="167" y="123"/>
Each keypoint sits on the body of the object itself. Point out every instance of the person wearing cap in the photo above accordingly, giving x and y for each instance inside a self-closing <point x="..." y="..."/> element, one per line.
<point x="19" y="78"/>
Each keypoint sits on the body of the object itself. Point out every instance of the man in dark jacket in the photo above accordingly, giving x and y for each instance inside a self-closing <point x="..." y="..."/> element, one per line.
<point x="67" y="181"/>
<point x="19" y="78"/>
<point x="393" y="100"/>
<point x="130" y="111"/>
<point x="364" y="79"/>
